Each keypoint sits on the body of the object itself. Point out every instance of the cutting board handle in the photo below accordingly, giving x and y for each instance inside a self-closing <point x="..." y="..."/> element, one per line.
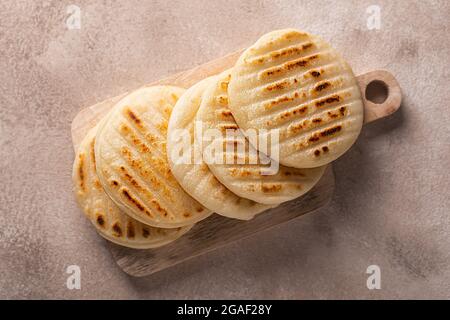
<point x="375" y="82"/>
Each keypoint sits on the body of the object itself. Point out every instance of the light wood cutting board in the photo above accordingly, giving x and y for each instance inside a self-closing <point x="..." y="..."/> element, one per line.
<point x="217" y="231"/>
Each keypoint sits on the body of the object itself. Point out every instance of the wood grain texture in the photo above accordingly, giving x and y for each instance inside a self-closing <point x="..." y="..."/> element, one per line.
<point x="217" y="231"/>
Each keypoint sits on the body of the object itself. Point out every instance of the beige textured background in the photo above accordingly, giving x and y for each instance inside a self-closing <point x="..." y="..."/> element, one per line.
<point x="391" y="207"/>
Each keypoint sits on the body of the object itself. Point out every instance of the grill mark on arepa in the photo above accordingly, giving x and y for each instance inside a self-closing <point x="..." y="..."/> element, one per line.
<point x="288" y="173"/>
<point x="175" y="98"/>
<point x="146" y="192"/>
<point x="138" y="136"/>
<point x="132" y="116"/>
<point x="129" y="178"/>
<point x="238" y="140"/>
<point x="100" y="219"/>
<point x="319" y="116"/>
<point x="289" y="84"/>
<point x="131" y="137"/>
<point x="263" y="99"/>
<point x="228" y="126"/>
<point x="143" y="129"/>
<point x="316" y="73"/>
<point x="144" y="173"/>
<point x="123" y="226"/>
<point x="327" y="85"/>
<point x="309" y="124"/>
<point x="241" y="172"/>
<point x="288" y="114"/>
<point x="249" y="180"/>
<point x="160" y="209"/>
<point x="166" y="107"/>
<point x="324" y="67"/>
<point x="162" y="126"/>
<point x="137" y="141"/>
<point x="97" y="185"/>
<point x="305" y="126"/>
<point x="159" y="164"/>
<point x="145" y="232"/>
<point x="292" y="178"/>
<point x="288" y="66"/>
<point x="280" y="53"/>
<point x="332" y="111"/>
<point x="136" y="203"/>
<point x="224" y="85"/>
<point x="301" y="95"/>
<point x="92" y="145"/>
<point x="280" y="42"/>
<point x="304" y="144"/>
<point x="281" y="100"/>
<point x="221" y="100"/>
<point x="321" y="86"/>
<point x="80" y="170"/>
<point x="319" y="137"/>
<point x="318" y="152"/>
<point x="271" y="187"/>
<point x="279" y="85"/>
<point x="117" y="229"/>
<point x="130" y="230"/>
<point x="327" y="100"/>
<point x="148" y="174"/>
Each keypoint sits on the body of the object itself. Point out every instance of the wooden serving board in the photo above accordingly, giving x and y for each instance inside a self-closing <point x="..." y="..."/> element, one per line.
<point x="217" y="231"/>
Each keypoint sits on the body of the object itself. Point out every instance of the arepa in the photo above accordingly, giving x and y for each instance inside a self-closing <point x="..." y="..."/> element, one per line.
<point x="297" y="83"/>
<point x="246" y="178"/>
<point x="109" y="221"/>
<point x="132" y="164"/>
<point x="191" y="171"/>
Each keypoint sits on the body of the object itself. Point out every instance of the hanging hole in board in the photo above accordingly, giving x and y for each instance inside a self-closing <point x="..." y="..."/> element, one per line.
<point x="377" y="91"/>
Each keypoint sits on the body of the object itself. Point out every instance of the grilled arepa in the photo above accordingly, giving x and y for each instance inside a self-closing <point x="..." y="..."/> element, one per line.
<point x="238" y="172"/>
<point x="297" y="83"/>
<point x="191" y="171"/>
<point x="107" y="218"/>
<point x="132" y="164"/>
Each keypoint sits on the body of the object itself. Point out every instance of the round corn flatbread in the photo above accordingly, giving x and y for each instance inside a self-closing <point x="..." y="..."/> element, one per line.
<point x="109" y="221"/>
<point x="189" y="168"/>
<point x="297" y="83"/>
<point x="132" y="164"/>
<point x="240" y="174"/>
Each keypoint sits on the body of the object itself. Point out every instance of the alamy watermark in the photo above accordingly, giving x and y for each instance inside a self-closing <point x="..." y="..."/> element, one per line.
<point x="374" y="280"/>
<point x="374" y="18"/>
<point x="73" y="281"/>
<point x="73" y="21"/>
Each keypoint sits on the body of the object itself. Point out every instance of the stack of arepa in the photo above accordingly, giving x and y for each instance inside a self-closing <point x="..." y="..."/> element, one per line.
<point x="165" y="158"/>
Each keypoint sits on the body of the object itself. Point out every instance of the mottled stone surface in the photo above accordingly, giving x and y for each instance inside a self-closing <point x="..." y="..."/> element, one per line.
<point x="391" y="207"/>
